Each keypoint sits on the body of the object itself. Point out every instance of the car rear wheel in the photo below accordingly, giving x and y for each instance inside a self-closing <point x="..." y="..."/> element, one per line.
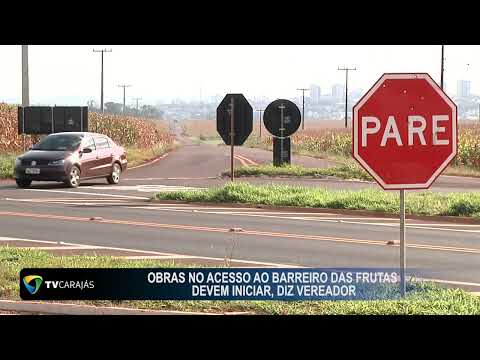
<point x="73" y="179"/>
<point x="23" y="183"/>
<point x="114" y="178"/>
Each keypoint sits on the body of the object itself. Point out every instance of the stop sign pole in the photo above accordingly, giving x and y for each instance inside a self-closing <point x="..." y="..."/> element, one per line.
<point x="403" y="247"/>
<point x="232" y="137"/>
<point x="404" y="136"/>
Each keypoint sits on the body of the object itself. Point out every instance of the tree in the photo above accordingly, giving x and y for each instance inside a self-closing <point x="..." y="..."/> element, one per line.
<point x="92" y="105"/>
<point x="113" y="108"/>
<point x="150" y="111"/>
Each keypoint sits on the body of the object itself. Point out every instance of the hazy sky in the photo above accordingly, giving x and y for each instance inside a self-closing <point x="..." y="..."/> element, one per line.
<point x="166" y="72"/>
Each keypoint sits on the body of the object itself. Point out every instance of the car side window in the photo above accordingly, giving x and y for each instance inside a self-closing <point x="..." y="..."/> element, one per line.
<point x="89" y="143"/>
<point x="101" y="143"/>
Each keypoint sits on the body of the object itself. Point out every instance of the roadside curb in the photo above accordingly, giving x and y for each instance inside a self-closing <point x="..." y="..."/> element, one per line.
<point x="370" y="213"/>
<point x="149" y="162"/>
<point x="33" y="307"/>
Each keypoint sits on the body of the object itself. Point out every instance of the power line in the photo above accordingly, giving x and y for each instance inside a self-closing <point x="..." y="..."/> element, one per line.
<point x="101" y="75"/>
<point x="124" y="86"/>
<point x="346" y="91"/>
<point x="303" y="106"/>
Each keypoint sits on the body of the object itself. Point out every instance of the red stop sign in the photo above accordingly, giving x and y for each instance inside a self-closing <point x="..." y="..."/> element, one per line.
<point x="405" y="131"/>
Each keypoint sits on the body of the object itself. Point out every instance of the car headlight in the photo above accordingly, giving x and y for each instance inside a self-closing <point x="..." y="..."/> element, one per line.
<point x="56" y="162"/>
<point x="18" y="162"/>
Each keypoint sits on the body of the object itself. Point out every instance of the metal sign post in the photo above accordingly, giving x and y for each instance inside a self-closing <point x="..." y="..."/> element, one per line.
<point x="232" y="137"/>
<point x="282" y="130"/>
<point x="403" y="258"/>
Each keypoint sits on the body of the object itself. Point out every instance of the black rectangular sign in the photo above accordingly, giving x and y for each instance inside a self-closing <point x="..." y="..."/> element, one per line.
<point x="70" y="118"/>
<point x="35" y="120"/>
<point x="43" y="120"/>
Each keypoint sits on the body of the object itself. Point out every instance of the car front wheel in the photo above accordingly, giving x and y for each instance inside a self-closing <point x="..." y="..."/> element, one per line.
<point x="73" y="178"/>
<point x="114" y="177"/>
<point x="23" y="183"/>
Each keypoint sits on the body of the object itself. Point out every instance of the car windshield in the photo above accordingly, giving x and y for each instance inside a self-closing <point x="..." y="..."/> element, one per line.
<point x="68" y="142"/>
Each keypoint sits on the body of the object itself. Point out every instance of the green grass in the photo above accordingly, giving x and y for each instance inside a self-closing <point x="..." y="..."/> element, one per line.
<point x="344" y="171"/>
<point x="7" y="165"/>
<point x="422" y="298"/>
<point x="424" y="203"/>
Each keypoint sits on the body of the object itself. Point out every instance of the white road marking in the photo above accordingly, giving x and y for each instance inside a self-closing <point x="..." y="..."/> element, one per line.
<point x="165" y="256"/>
<point x="162" y="254"/>
<point x="146" y="188"/>
<point x="89" y="193"/>
<point x="93" y="201"/>
<point x="172" y="178"/>
<point x="67" y="247"/>
<point x="441" y="227"/>
<point x="159" y="257"/>
<point x="225" y="213"/>
<point x="4" y="238"/>
<point x="412" y="226"/>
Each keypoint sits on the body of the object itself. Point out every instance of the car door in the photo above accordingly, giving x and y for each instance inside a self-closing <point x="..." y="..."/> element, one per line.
<point x="88" y="160"/>
<point x="105" y="156"/>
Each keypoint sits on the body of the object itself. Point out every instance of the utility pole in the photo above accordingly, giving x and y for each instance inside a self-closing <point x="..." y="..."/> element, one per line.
<point x="136" y="99"/>
<point x="346" y="91"/>
<point x="442" y="68"/>
<point x="101" y="75"/>
<point x="124" y="86"/>
<point x="25" y="85"/>
<point x="260" y="120"/>
<point x="303" y="106"/>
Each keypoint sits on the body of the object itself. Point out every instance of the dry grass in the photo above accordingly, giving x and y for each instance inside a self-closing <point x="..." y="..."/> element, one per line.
<point x="202" y="129"/>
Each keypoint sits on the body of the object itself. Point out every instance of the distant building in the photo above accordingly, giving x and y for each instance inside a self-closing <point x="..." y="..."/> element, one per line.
<point x="356" y="94"/>
<point x="463" y="88"/>
<point x="338" y="91"/>
<point x="315" y="93"/>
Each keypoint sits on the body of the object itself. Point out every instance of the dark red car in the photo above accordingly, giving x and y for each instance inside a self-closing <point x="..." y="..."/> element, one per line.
<point x="71" y="157"/>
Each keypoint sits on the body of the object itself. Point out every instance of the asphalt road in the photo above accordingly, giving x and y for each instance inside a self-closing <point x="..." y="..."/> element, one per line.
<point x="123" y="218"/>
<point x="200" y="165"/>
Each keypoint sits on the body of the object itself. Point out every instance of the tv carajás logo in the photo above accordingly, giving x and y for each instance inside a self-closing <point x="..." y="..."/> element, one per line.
<point x="32" y="283"/>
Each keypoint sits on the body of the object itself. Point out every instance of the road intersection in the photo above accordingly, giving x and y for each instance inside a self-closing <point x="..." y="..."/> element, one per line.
<point x="121" y="220"/>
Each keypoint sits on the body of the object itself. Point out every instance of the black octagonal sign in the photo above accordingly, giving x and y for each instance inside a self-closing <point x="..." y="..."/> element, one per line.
<point x="242" y="119"/>
<point x="272" y="118"/>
